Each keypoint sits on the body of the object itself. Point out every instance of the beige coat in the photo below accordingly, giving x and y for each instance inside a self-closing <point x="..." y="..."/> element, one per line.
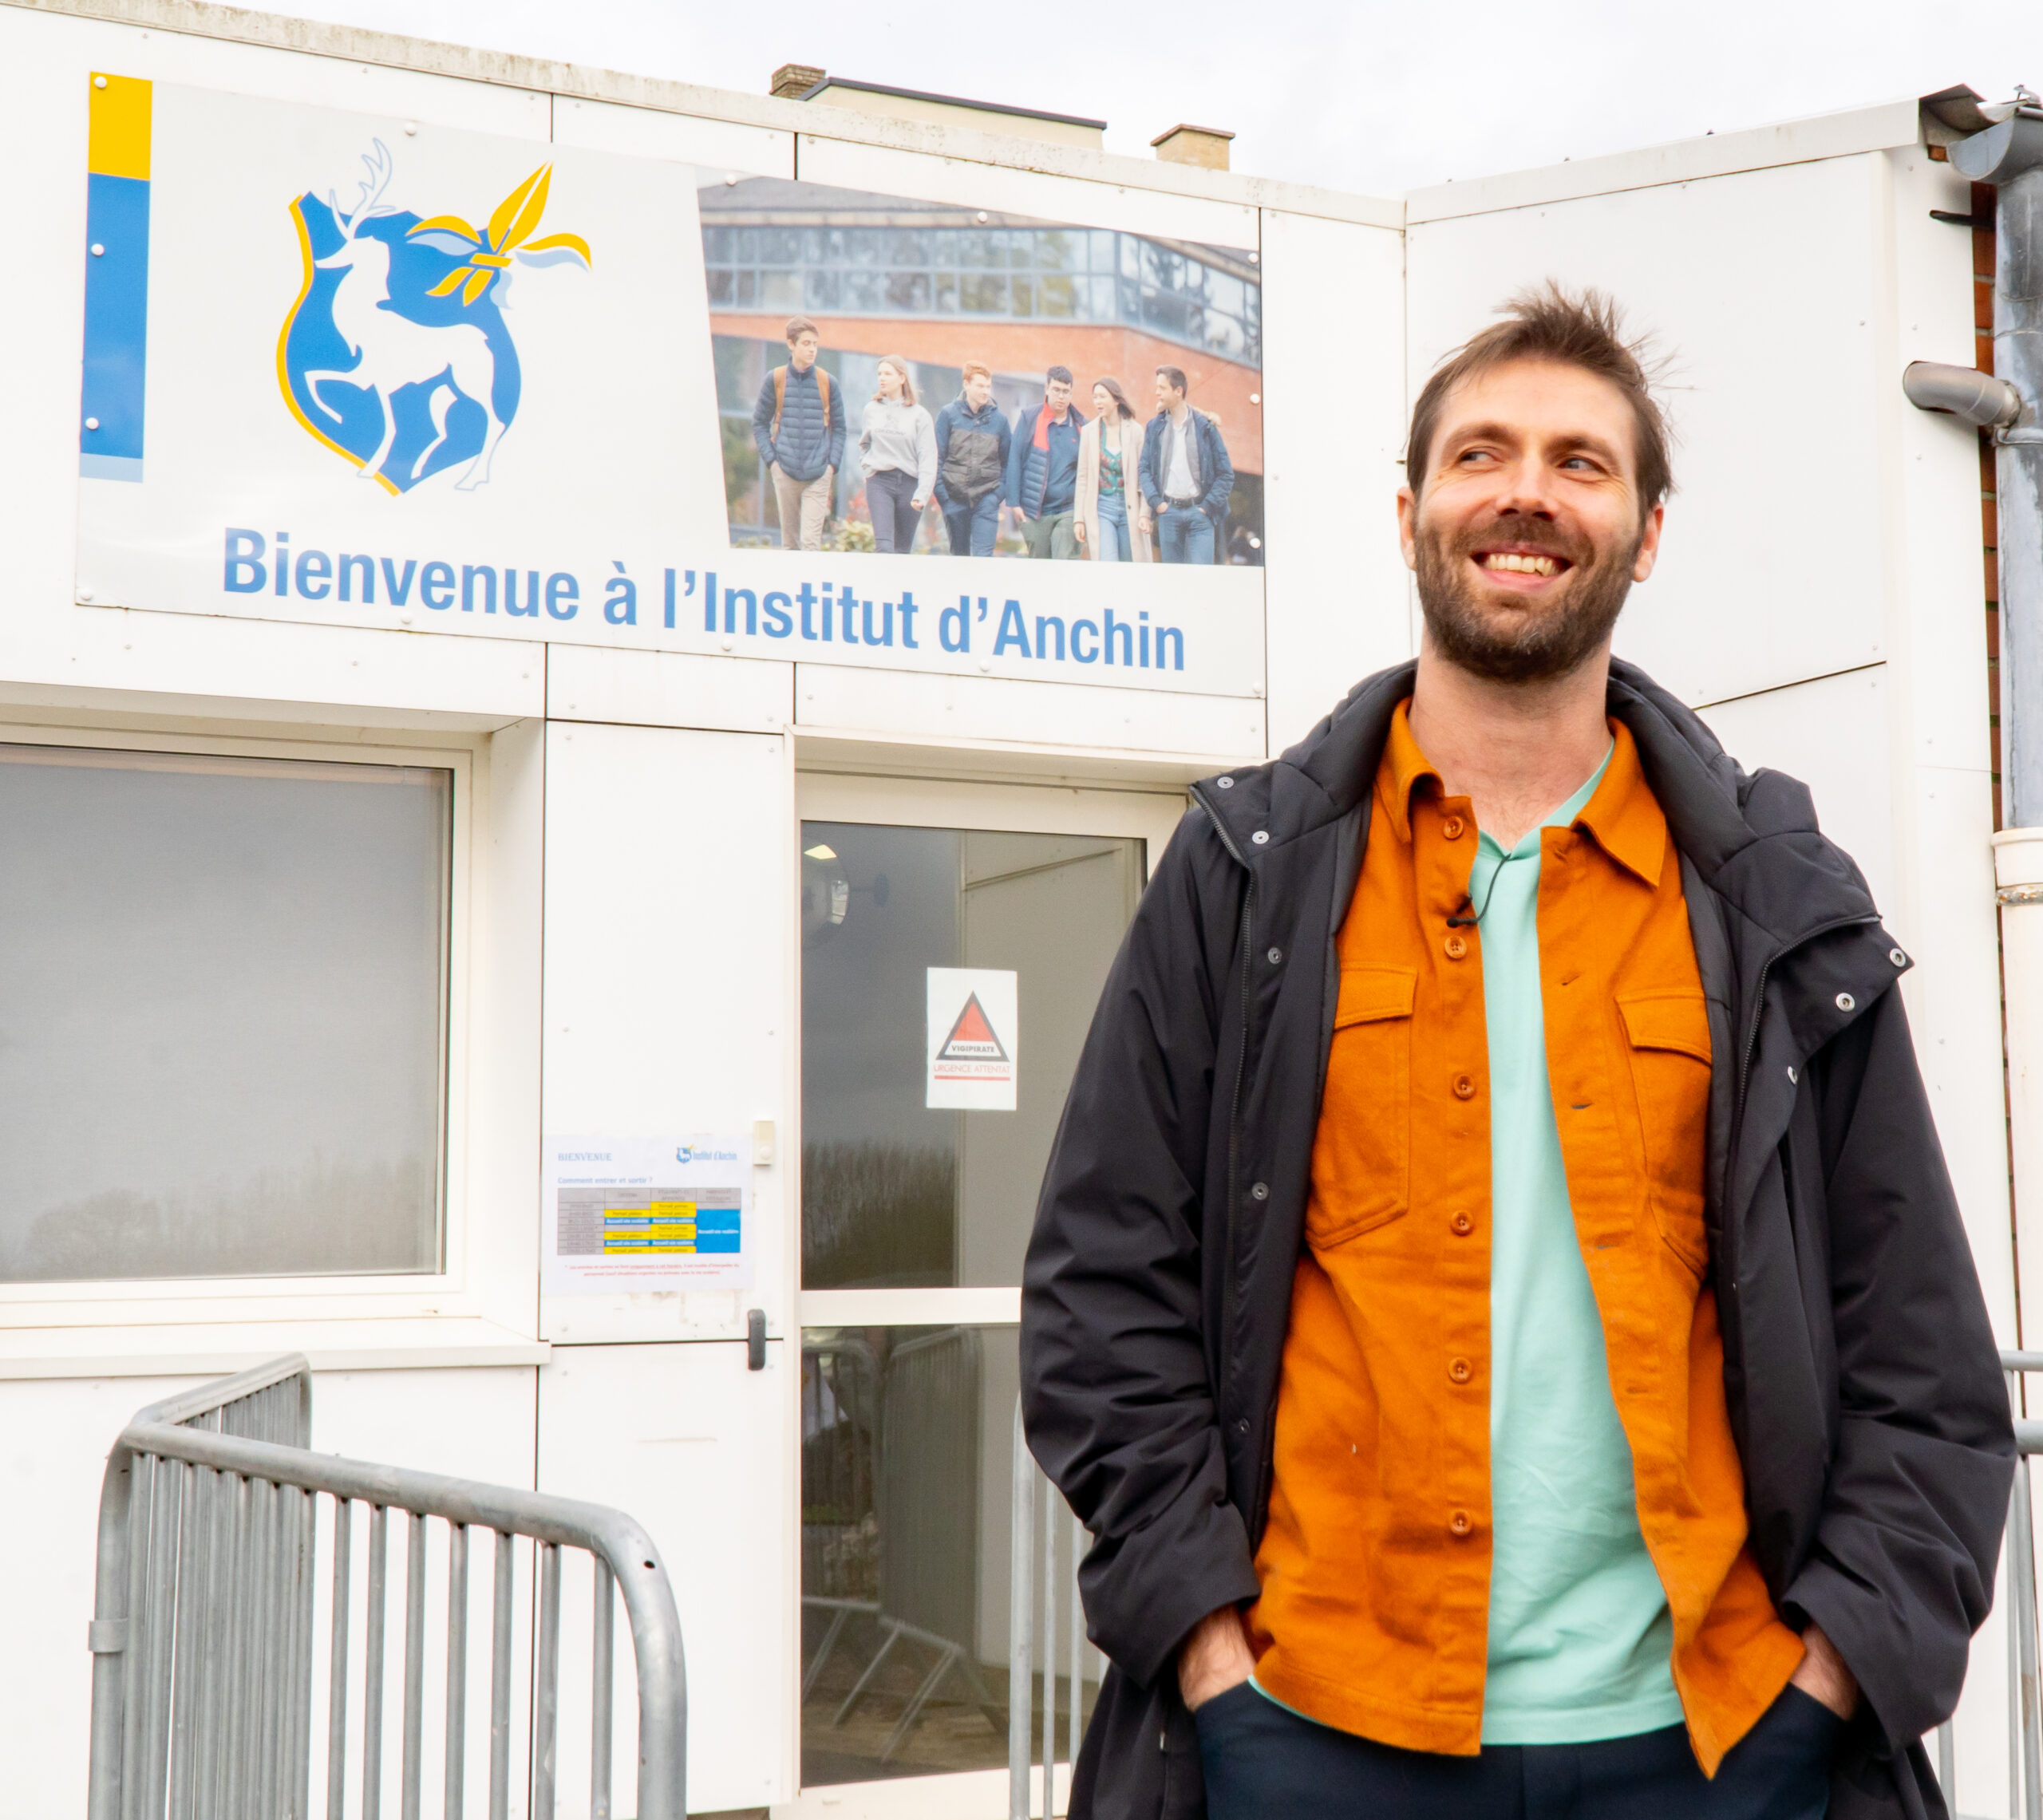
<point x="1128" y="432"/>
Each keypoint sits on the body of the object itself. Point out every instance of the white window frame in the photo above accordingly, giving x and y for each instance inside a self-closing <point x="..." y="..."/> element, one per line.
<point x="1148" y="815"/>
<point x="121" y="1303"/>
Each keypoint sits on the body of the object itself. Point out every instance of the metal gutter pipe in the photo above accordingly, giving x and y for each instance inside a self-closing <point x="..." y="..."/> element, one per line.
<point x="2009" y="156"/>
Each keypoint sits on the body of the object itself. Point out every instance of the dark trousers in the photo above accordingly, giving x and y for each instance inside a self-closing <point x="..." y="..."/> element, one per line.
<point x="889" y="496"/>
<point x="1263" y="1762"/>
<point x="973" y="528"/>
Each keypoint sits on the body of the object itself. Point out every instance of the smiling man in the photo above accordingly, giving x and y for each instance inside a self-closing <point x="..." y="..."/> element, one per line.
<point x="1496" y="1300"/>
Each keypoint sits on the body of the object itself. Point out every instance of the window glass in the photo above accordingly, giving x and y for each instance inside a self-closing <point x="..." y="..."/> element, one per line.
<point x="907" y="1466"/>
<point x="222" y="1016"/>
<point x="895" y="1194"/>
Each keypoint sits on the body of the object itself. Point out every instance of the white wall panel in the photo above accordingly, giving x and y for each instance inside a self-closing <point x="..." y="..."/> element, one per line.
<point x="966" y="710"/>
<point x="506" y="847"/>
<point x="669" y="907"/>
<point x="668" y="689"/>
<point x="699" y="1450"/>
<point x="851" y="166"/>
<point x="1338" y="601"/>
<point x="1761" y="287"/>
<point x="1832" y="734"/>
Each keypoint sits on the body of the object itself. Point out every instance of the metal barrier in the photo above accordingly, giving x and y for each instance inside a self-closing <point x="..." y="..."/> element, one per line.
<point x="2025" y="1740"/>
<point x="1039" y="1513"/>
<point x="207" y="1615"/>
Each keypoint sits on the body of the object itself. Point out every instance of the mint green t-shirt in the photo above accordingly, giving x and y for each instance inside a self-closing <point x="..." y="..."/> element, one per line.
<point x="1579" y="1630"/>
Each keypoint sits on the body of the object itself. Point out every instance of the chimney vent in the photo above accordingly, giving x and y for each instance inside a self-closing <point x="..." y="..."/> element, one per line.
<point x="1205" y="146"/>
<point x="792" y="81"/>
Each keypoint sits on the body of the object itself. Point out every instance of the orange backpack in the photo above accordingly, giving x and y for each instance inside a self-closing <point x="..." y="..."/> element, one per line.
<point x="780" y="397"/>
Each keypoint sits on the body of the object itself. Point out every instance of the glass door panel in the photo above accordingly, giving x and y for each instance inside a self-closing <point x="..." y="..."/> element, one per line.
<point x="907" y="1456"/>
<point x="897" y="1193"/>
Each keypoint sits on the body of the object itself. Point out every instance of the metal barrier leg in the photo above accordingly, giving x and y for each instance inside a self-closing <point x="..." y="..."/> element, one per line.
<point x="414" y="1763"/>
<point x="1021" y="1554"/>
<point x="336" y="1668"/>
<point x="373" y="1651"/>
<point x="1046" y="1638"/>
<point x="457" y="1667"/>
<point x="2021" y="1542"/>
<point x="1077" y="1725"/>
<point x="499" y="1681"/>
<point x="546" y="1697"/>
<point x="602" y="1730"/>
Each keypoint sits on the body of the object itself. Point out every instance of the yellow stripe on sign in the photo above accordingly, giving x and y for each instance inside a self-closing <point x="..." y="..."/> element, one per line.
<point x="673" y="1209"/>
<point x="118" y="145"/>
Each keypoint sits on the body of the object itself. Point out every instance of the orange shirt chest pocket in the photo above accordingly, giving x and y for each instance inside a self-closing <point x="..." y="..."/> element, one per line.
<point x="1361" y="1158"/>
<point x="1667" y="1038"/>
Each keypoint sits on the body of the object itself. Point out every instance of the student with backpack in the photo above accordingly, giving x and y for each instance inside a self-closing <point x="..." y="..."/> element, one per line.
<point x="972" y="442"/>
<point x="798" y="427"/>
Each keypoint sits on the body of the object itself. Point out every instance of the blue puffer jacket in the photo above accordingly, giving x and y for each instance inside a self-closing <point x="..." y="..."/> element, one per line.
<point x="1043" y="482"/>
<point x="1216" y="472"/>
<point x="810" y="439"/>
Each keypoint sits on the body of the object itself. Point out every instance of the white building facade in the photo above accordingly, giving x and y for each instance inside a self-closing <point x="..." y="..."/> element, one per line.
<point x="379" y="859"/>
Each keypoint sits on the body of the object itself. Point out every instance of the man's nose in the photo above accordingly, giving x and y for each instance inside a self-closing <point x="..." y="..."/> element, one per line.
<point x="1528" y="486"/>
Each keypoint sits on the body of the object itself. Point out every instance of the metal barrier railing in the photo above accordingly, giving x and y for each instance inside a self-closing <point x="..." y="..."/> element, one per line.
<point x="207" y="1614"/>
<point x="1039" y="1513"/>
<point x="2025" y="1738"/>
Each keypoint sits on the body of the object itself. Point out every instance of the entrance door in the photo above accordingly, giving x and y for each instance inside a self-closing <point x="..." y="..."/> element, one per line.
<point x="954" y="943"/>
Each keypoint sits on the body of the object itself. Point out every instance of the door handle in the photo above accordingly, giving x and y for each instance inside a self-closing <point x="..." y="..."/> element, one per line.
<point x="755" y="1340"/>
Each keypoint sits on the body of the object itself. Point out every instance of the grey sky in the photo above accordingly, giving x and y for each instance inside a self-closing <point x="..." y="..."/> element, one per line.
<point x="1375" y="97"/>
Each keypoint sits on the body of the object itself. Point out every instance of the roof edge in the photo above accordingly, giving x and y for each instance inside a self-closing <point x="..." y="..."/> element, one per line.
<point x="1880" y="128"/>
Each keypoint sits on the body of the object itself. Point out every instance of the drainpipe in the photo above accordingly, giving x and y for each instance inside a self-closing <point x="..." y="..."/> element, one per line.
<point x="2009" y="403"/>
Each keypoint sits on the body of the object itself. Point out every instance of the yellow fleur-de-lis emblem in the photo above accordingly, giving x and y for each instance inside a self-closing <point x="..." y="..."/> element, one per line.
<point x="507" y="237"/>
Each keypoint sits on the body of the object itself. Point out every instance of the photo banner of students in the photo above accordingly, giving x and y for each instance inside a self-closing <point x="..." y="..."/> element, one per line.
<point x="912" y="377"/>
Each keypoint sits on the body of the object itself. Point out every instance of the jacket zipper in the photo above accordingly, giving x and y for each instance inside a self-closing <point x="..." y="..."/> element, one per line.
<point x="1234" y="1104"/>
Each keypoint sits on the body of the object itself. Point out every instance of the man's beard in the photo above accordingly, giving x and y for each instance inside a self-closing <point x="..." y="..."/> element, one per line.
<point x="1532" y="643"/>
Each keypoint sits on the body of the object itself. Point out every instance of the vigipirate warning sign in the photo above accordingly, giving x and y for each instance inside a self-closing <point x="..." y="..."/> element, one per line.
<point x="972" y="1024"/>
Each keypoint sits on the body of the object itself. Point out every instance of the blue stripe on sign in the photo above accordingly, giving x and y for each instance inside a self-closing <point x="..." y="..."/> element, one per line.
<point x="116" y="322"/>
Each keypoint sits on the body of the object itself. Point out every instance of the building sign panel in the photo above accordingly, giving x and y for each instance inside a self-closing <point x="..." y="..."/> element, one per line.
<point x="356" y="370"/>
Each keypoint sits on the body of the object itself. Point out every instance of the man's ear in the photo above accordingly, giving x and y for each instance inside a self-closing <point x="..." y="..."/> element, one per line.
<point x="1649" y="543"/>
<point x="1408" y="516"/>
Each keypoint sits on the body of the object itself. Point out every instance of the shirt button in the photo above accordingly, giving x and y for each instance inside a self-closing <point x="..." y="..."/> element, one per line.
<point x="1453" y="827"/>
<point x="1463" y="1226"/>
<point x="1464" y="1087"/>
<point x="1460" y="1523"/>
<point x="1460" y="1370"/>
<point x="1456" y="945"/>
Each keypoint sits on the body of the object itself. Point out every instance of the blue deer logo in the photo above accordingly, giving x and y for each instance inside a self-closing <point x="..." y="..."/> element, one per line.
<point x="396" y="355"/>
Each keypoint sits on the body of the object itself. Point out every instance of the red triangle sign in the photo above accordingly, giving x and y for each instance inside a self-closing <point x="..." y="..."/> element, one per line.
<point x="971" y="1038"/>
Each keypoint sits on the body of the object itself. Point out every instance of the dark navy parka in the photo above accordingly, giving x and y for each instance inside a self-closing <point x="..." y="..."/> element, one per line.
<point x="1864" y="1390"/>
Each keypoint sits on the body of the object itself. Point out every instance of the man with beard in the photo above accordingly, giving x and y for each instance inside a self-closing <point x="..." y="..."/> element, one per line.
<point x="1496" y="1299"/>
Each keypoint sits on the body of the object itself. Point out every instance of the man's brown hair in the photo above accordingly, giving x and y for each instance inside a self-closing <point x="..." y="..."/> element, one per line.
<point x="800" y="325"/>
<point x="1584" y="330"/>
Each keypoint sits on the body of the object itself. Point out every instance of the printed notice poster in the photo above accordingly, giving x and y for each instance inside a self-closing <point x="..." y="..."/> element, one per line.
<point x="624" y="1215"/>
<point x="972" y="1033"/>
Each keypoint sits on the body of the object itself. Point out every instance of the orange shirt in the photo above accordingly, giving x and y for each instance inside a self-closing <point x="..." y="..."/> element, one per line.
<point x="1375" y="1564"/>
